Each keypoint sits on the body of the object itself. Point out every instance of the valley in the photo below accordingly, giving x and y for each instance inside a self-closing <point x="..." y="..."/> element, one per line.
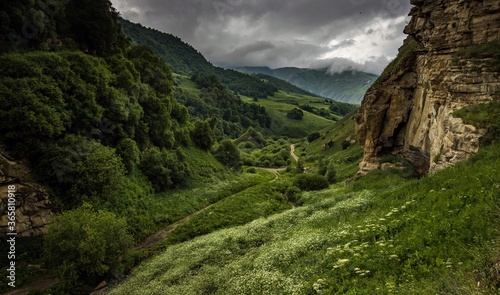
<point x="143" y="168"/>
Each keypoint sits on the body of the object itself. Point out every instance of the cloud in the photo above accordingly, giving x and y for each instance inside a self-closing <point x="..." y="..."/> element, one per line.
<point x="279" y="33"/>
<point x="371" y="65"/>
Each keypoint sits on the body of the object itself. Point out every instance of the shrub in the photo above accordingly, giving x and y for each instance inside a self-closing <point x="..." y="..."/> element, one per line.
<point x="165" y="169"/>
<point x="292" y="192"/>
<point x="129" y="152"/>
<point x="300" y="166"/>
<point x="313" y="136"/>
<point x="203" y="135"/>
<point x="227" y="153"/>
<point x="82" y="170"/>
<point x="310" y="182"/>
<point x="97" y="240"/>
<point x="346" y="144"/>
<point x="296" y="114"/>
<point x="252" y="170"/>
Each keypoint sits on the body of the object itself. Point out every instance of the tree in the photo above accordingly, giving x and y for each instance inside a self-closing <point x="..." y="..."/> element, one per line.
<point x="295" y="114"/>
<point x="129" y="152"/>
<point x="202" y="135"/>
<point x="165" y="169"/>
<point x="82" y="170"/>
<point x="228" y="154"/>
<point x="97" y="240"/>
<point x="300" y="166"/>
<point x="310" y="182"/>
<point x="313" y="136"/>
<point x="94" y="25"/>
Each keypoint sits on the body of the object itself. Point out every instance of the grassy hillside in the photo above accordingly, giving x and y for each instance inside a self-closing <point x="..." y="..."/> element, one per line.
<point x="284" y="126"/>
<point x="347" y="87"/>
<point x="283" y="85"/>
<point x="382" y="234"/>
<point x="344" y="154"/>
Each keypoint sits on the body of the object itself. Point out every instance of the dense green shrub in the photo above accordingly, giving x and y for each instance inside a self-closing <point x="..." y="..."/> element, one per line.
<point x="313" y="136"/>
<point x="228" y="154"/>
<point x="346" y="144"/>
<point x="296" y="114"/>
<point x="97" y="240"/>
<point x="252" y="170"/>
<point x="310" y="182"/>
<point x="299" y="168"/>
<point x="203" y="134"/>
<point x="129" y="152"/>
<point x="165" y="169"/>
<point x="81" y="170"/>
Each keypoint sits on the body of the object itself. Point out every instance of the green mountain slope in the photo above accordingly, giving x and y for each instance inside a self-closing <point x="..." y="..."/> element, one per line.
<point x="180" y="56"/>
<point x="283" y="85"/>
<point x="344" y="87"/>
<point x="184" y="59"/>
<point x="380" y="234"/>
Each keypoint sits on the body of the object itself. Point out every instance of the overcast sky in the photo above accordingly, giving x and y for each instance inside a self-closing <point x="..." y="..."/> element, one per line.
<point x="339" y="34"/>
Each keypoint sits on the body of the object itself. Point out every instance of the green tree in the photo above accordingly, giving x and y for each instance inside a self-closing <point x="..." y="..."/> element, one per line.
<point x="310" y="182"/>
<point x="129" y="152"/>
<point x="86" y="243"/>
<point x="165" y="169"/>
<point x="296" y="114"/>
<point x="228" y="154"/>
<point x="94" y="25"/>
<point x="313" y="136"/>
<point x="202" y="135"/>
<point x="300" y="166"/>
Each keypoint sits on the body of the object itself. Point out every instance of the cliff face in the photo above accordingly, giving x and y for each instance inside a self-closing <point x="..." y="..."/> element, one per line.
<point x="409" y="110"/>
<point x="33" y="212"/>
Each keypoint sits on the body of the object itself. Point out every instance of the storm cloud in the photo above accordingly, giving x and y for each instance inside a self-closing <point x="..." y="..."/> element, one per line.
<point x="351" y="34"/>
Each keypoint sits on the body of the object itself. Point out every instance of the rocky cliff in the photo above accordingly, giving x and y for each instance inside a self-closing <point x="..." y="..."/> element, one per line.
<point x="32" y="206"/>
<point x="408" y="111"/>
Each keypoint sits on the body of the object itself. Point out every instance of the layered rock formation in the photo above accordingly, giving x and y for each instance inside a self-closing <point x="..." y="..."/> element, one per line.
<point x="33" y="212"/>
<point x="409" y="110"/>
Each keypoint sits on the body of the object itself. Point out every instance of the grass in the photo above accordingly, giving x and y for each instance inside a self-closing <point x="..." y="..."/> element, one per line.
<point x="483" y="116"/>
<point x="186" y="84"/>
<point x="283" y="126"/>
<point x="406" y="52"/>
<point x="487" y="51"/>
<point x="258" y="201"/>
<point x="346" y="160"/>
<point x="436" y="235"/>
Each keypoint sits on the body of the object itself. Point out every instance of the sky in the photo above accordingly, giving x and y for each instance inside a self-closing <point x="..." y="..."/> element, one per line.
<point x="340" y="35"/>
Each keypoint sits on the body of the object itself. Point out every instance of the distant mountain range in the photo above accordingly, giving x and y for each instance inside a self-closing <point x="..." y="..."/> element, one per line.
<point x="349" y="86"/>
<point x="182" y="58"/>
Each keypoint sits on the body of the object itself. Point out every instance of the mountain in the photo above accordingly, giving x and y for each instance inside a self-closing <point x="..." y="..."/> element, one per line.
<point x="283" y="85"/>
<point x="184" y="59"/>
<point x="349" y="86"/>
<point x="180" y="56"/>
<point x="412" y="109"/>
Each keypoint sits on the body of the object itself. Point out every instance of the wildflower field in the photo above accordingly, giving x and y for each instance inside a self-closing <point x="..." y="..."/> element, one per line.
<point x="380" y="234"/>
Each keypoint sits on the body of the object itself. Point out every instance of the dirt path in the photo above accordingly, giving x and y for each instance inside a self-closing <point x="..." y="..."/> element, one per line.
<point x="292" y="153"/>
<point x="163" y="234"/>
<point x="275" y="171"/>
